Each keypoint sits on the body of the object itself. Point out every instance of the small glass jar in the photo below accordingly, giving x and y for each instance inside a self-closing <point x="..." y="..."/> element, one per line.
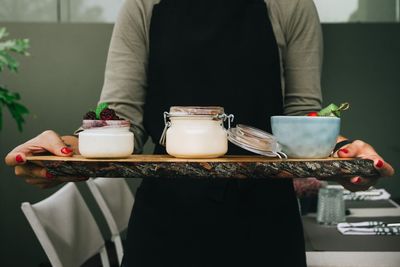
<point x="196" y="132"/>
<point x="106" y="139"/>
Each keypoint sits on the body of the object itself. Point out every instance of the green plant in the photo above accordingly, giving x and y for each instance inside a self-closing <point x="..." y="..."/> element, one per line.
<point x="7" y="61"/>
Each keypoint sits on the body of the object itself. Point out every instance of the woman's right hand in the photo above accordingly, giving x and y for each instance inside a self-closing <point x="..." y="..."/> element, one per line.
<point x="48" y="141"/>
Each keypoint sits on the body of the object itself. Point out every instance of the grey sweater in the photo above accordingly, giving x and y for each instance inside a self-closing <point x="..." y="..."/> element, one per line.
<point x="297" y="30"/>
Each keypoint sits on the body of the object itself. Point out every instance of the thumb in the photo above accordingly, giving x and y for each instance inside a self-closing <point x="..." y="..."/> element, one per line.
<point x="349" y="151"/>
<point x="47" y="141"/>
<point x="53" y="143"/>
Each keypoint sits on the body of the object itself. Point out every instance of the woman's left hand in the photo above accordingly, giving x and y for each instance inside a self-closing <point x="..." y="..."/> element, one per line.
<point x="360" y="149"/>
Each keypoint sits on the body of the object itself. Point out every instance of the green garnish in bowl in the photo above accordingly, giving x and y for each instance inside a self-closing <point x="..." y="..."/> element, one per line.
<point x="331" y="111"/>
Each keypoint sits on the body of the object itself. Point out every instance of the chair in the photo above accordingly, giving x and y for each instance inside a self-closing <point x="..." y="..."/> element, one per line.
<point x="115" y="200"/>
<point x="65" y="228"/>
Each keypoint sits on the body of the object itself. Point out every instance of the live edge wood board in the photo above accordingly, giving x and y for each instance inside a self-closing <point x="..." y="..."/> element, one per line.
<point x="239" y="167"/>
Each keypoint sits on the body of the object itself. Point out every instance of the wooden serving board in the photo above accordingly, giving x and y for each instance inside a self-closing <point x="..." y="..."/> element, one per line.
<point x="240" y="167"/>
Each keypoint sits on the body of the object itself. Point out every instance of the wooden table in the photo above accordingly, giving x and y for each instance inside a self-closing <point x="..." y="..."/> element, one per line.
<point x="239" y="167"/>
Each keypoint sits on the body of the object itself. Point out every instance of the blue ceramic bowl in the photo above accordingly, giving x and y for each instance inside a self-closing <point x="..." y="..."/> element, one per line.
<point x="304" y="136"/>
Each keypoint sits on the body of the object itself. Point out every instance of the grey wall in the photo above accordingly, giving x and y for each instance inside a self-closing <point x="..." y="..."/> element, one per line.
<point x="63" y="77"/>
<point x="362" y="66"/>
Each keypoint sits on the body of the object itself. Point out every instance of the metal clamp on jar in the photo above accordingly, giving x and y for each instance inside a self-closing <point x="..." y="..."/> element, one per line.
<point x="196" y="132"/>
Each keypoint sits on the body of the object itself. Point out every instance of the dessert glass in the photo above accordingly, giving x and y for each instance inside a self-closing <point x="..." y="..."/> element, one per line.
<point x="106" y="139"/>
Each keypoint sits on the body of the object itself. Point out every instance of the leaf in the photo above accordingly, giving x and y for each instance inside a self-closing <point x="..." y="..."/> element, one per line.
<point x="17" y="110"/>
<point x="3" y="32"/>
<point x="344" y="106"/>
<point x="328" y="110"/>
<point x="20" y="46"/>
<point x="100" y="108"/>
<point x="13" y="64"/>
<point x="8" y="98"/>
<point x="16" y="115"/>
<point x="21" y="109"/>
<point x="7" y="45"/>
<point x="7" y="60"/>
<point x="333" y="110"/>
<point x="1" y="114"/>
<point x="3" y="61"/>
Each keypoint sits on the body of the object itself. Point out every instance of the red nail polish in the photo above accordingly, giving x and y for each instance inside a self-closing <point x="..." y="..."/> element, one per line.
<point x="66" y="150"/>
<point x="357" y="180"/>
<point x="379" y="164"/>
<point x="19" y="159"/>
<point x="344" y="150"/>
<point x="49" y="175"/>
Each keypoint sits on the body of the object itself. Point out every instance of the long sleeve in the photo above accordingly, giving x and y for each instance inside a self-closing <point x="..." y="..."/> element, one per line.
<point x="301" y="56"/>
<point x="125" y="76"/>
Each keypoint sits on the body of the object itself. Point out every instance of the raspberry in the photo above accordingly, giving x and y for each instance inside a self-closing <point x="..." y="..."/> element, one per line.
<point x="107" y="114"/>
<point x="313" y="114"/>
<point x="91" y="115"/>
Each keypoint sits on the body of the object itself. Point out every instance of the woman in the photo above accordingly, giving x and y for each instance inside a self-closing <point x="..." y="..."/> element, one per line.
<point x="256" y="59"/>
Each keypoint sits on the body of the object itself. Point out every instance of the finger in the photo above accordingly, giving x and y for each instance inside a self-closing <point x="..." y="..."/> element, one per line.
<point x="353" y="187"/>
<point x="40" y="180"/>
<point x="37" y="181"/>
<point x="360" y="181"/>
<point x="43" y="184"/>
<point x="53" y="143"/>
<point x="349" y="151"/>
<point x="46" y="141"/>
<point x="353" y="184"/>
<point x="33" y="171"/>
<point x="15" y="158"/>
<point x="384" y="168"/>
<point x="34" y="174"/>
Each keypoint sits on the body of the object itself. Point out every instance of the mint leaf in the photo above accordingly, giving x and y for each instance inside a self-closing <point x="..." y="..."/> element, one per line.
<point x="328" y="111"/>
<point x="333" y="110"/>
<point x="99" y="109"/>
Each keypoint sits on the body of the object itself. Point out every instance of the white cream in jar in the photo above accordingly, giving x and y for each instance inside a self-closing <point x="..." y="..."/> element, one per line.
<point x="196" y="132"/>
<point x="106" y="139"/>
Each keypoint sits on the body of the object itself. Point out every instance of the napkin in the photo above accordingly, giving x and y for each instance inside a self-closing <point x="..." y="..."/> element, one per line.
<point x="369" y="228"/>
<point x="372" y="194"/>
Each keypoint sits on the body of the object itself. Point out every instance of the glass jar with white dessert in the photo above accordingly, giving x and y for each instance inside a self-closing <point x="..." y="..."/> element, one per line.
<point x="196" y="132"/>
<point x="106" y="139"/>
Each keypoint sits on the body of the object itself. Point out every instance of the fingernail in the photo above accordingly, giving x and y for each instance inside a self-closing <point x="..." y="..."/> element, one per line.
<point x="356" y="180"/>
<point x="49" y="175"/>
<point x="379" y="164"/>
<point x="19" y="159"/>
<point x="66" y="150"/>
<point x="344" y="150"/>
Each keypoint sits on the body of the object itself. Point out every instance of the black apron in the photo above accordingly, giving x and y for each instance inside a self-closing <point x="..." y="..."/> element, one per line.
<point x="214" y="53"/>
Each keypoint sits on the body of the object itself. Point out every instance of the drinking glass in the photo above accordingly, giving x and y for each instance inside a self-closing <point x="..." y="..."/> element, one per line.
<point x="331" y="207"/>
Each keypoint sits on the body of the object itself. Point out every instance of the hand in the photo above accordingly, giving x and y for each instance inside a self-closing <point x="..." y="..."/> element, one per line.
<point x="360" y="149"/>
<point x="48" y="141"/>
